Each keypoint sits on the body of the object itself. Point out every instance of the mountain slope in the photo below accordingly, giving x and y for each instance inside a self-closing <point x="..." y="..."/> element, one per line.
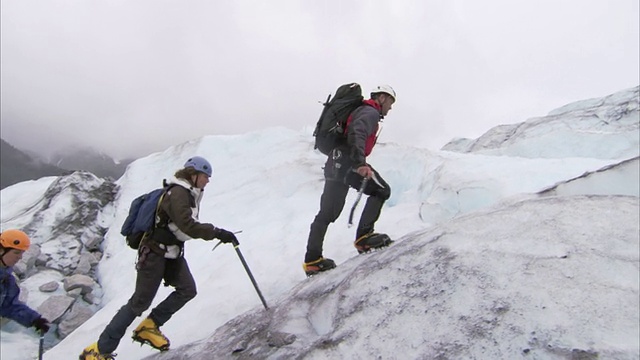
<point x="482" y="286"/>
<point x="267" y="184"/>
<point x="273" y="199"/>
<point x="86" y="159"/>
<point x="16" y="166"/>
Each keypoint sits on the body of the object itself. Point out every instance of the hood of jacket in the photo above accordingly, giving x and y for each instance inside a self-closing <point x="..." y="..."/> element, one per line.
<point x="197" y="193"/>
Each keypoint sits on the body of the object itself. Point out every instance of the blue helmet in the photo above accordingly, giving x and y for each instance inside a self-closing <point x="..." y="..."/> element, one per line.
<point x="200" y="164"/>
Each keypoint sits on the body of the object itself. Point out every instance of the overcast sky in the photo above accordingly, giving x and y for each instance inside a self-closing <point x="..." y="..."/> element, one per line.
<point x="131" y="77"/>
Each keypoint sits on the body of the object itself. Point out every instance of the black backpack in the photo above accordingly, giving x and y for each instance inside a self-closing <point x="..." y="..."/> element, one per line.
<point x="329" y="132"/>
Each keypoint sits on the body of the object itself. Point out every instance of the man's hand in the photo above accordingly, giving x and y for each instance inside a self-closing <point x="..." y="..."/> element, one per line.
<point x="365" y="171"/>
<point x="41" y="324"/>
<point x="227" y="237"/>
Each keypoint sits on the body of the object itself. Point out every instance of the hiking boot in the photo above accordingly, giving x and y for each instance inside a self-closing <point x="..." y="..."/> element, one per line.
<point x="91" y="352"/>
<point x="314" y="267"/>
<point x="148" y="333"/>
<point x="372" y="241"/>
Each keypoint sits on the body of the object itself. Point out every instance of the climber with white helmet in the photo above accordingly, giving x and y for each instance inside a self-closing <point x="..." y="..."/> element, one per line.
<point x="346" y="167"/>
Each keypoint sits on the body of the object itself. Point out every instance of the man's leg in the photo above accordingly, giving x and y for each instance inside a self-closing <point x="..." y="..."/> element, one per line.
<point x="379" y="192"/>
<point x="331" y="204"/>
<point x="178" y="275"/>
<point x="150" y="269"/>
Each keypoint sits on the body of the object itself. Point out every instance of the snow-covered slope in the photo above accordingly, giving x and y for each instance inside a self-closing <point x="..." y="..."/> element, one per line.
<point x="268" y="184"/>
<point x="514" y="281"/>
<point x="602" y="128"/>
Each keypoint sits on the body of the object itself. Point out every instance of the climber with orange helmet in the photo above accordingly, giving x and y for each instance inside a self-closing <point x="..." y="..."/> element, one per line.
<point x="13" y="243"/>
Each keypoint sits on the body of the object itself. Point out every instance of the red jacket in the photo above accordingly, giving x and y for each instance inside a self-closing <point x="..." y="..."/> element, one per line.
<point x="362" y="129"/>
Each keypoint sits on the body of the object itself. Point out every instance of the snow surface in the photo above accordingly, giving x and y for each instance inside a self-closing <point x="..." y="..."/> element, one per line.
<point x="484" y="267"/>
<point x="19" y="204"/>
<point x="603" y="128"/>
<point x="495" y="284"/>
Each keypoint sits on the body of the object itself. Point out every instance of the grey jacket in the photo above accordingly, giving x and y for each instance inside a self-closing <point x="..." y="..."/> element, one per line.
<point x="361" y="133"/>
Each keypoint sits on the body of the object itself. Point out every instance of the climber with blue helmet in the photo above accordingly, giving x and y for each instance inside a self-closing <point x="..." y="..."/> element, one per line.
<point x="200" y="164"/>
<point x="201" y="167"/>
<point x="161" y="257"/>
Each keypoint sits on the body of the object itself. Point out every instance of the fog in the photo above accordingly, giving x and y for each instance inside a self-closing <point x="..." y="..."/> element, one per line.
<point x="128" y="78"/>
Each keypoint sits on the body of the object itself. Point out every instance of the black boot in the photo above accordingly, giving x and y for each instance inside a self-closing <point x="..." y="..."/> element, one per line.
<point x="314" y="267"/>
<point x="372" y="241"/>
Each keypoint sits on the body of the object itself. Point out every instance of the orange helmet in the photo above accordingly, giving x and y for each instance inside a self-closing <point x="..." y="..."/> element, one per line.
<point x="14" y="239"/>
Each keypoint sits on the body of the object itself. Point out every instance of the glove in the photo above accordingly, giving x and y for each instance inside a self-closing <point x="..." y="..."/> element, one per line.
<point x="227" y="237"/>
<point x="364" y="171"/>
<point x="41" y="324"/>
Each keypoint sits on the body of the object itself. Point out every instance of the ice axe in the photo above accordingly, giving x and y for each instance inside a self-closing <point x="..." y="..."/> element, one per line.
<point x="355" y="204"/>
<point x="218" y="244"/>
<point x="41" y="346"/>
<point x="236" y="246"/>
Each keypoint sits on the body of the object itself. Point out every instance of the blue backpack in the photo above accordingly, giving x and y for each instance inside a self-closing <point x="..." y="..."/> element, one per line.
<point x="141" y="220"/>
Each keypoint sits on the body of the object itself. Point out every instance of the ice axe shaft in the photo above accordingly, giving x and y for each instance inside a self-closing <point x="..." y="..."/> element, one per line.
<point x="41" y="347"/>
<point x="253" y="280"/>
<point x="236" y="246"/>
<point x="355" y="204"/>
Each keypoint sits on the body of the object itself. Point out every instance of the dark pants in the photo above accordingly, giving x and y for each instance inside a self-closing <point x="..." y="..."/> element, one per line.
<point x="339" y="176"/>
<point x="152" y="269"/>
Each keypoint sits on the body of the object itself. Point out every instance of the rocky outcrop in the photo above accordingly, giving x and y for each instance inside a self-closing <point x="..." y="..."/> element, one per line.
<point x="67" y="231"/>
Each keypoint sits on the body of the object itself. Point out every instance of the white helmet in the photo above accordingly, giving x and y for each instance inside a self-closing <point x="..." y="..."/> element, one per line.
<point x="386" y="89"/>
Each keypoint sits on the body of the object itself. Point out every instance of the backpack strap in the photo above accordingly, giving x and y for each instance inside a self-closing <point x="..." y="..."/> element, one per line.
<point x="156" y="246"/>
<point x="163" y="222"/>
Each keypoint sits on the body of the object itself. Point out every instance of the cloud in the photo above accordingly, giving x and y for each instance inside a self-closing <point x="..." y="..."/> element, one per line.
<point x="133" y="77"/>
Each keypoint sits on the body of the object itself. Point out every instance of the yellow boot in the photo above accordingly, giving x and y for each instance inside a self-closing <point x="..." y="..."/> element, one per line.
<point x="91" y="352"/>
<point x="148" y="333"/>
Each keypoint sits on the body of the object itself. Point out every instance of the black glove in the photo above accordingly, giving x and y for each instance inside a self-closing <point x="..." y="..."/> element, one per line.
<point x="227" y="236"/>
<point x="41" y="324"/>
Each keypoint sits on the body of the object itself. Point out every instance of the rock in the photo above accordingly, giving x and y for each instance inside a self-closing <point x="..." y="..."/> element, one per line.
<point x="279" y="339"/>
<point x="31" y="255"/>
<point x="92" y="243"/>
<point x="89" y="298"/>
<point x="42" y="259"/>
<point x="84" y="264"/>
<point x="75" y="293"/>
<point x="28" y="260"/>
<point x="93" y="258"/>
<point x="20" y="269"/>
<point x="79" y="281"/>
<point x="73" y="319"/>
<point x="51" y="286"/>
<point x="55" y="306"/>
